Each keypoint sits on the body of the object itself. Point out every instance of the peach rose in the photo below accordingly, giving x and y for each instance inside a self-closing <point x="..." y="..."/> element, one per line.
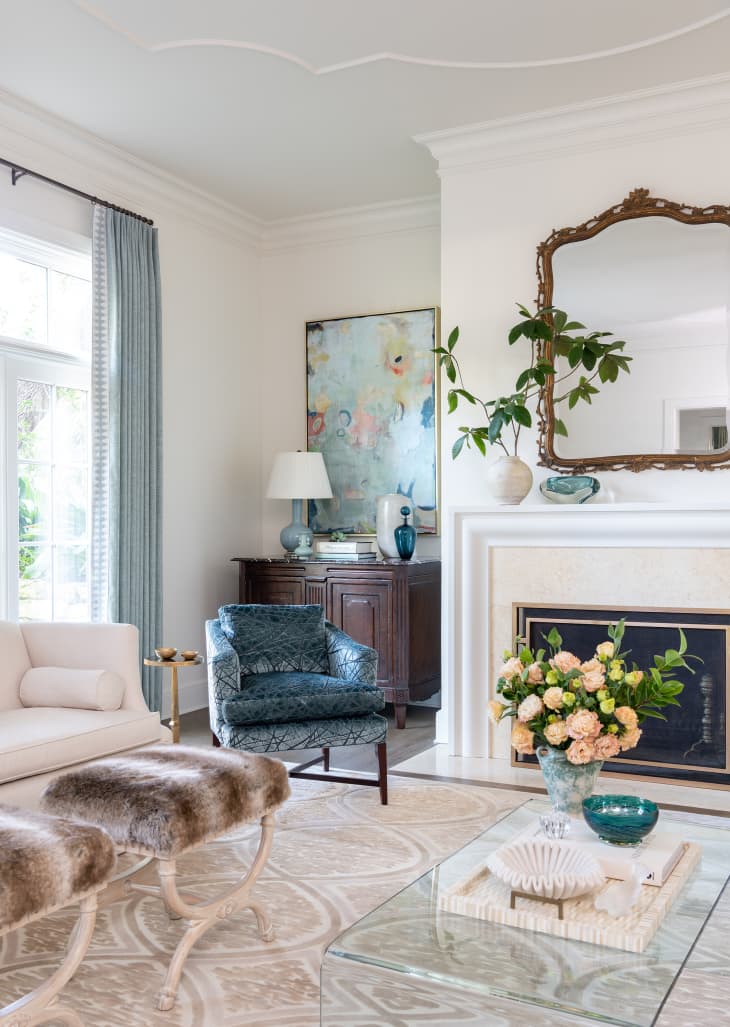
<point x="534" y="674"/>
<point x="496" y="709"/>
<point x="522" y="739"/>
<point x="630" y="738"/>
<point x="553" y="698"/>
<point x="529" y="708"/>
<point x="583" y="724"/>
<point x="565" y="661"/>
<point x="626" y="715"/>
<point x="580" y="751"/>
<point x="606" y="746"/>
<point x="512" y="668"/>
<point x="605" y="650"/>
<point x="593" y="675"/>
<point x="556" y="733"/>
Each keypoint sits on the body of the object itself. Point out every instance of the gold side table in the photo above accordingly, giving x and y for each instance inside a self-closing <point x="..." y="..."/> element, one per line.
<point x="173" y="664"/>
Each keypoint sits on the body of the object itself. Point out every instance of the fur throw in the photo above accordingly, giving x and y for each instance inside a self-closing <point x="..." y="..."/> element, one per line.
<point x="46" y="863"/>
<point x="165" y="799"/>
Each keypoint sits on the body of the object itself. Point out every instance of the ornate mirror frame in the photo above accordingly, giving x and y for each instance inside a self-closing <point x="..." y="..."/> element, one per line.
<point x="638" y="204"/>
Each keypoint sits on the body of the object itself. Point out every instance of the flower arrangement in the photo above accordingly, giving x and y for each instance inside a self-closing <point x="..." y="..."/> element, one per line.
<point x="591" y="709"/>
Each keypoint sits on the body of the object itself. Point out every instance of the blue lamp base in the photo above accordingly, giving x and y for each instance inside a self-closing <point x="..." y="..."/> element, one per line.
<point x="289" y="536"/>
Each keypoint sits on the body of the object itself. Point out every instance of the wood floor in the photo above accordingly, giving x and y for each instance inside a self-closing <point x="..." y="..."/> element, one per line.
<point x="417" y="736"/>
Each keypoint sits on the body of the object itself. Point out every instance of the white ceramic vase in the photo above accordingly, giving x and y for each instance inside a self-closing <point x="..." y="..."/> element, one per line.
<point x="387" y="519"/>
<point x="509" y="480"/>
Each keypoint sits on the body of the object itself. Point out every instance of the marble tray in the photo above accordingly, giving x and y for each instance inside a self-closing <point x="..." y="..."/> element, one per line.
<point x="484" y="896"/>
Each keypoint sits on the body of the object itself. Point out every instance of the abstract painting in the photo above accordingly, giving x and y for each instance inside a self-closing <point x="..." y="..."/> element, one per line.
<point x="371" y="412"/>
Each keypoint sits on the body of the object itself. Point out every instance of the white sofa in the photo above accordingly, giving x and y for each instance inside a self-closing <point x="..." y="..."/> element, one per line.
<point x="39" y="741"/>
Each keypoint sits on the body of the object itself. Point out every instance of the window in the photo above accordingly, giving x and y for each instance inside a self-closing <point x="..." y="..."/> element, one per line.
<point x="45" y="343"/>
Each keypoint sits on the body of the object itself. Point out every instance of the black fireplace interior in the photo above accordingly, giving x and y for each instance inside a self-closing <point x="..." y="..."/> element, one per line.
<point x="691" y="744"/>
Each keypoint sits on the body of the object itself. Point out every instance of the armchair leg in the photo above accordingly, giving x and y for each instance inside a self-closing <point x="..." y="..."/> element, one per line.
<point x="325" y="758"/>
<point x="215" y="740"/>
<point x="382" y="752"/>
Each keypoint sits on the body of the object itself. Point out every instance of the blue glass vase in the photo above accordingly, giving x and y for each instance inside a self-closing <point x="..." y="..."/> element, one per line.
<point x="405" y="536"/>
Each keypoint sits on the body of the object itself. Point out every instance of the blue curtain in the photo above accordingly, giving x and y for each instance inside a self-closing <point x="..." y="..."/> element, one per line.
<point x="127" y="432"/>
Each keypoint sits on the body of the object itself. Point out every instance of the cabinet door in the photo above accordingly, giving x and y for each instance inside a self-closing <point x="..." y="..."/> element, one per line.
<point x="364" y="609"/>
<point x="275" y="590"/>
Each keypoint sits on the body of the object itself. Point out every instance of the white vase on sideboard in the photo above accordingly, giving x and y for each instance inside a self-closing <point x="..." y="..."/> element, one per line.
<point x="387" y="519"/>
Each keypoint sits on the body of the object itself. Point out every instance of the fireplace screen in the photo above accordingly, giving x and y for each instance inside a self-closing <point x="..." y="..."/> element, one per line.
<point x="691" y="745"/>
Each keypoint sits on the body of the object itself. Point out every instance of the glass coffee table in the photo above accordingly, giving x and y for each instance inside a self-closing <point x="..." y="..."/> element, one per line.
<point x="409" y="963"/>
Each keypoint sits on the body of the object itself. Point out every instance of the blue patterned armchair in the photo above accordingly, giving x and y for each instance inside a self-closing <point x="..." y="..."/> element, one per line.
<point x="283" y="678"/>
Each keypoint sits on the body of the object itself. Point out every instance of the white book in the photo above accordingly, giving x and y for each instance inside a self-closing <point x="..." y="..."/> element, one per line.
<point x="345" y="556"/>
<point x="343" y="547"/>
<point x="659" y="852"/>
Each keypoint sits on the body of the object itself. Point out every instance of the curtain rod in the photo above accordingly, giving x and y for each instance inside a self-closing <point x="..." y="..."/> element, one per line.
<point x="16" y="172"/>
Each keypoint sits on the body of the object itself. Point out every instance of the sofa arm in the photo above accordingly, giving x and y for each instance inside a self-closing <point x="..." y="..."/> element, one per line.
<point x="224" y="672"/>
<point x="348" y="659"/>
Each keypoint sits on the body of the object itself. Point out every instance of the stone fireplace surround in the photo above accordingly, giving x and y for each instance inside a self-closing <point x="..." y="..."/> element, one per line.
<point x="650" y="555"/>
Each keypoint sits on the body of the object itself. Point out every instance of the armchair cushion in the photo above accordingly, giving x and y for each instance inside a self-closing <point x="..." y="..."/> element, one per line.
<point x="290" y="697"/>
<point x="72" y="689"/>
<point x="276" y="638"/>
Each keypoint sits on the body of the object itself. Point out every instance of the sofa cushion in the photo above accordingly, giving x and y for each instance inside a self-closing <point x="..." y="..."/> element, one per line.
<point x="276" y="638"/>
<point x="281" y="698"/>
<point x="74" y="689"/>
<point x="14" y="663"/>
<point x="35" y="741"/>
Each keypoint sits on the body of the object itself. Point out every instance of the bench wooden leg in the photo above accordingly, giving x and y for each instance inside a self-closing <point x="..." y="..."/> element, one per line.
<point x="204" y="916"/>
<point x="38" y="1006"/>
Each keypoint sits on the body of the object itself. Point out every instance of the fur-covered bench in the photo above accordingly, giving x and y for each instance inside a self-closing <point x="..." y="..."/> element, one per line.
<point x="46" y="863"/>
<point x="162" y="801"/>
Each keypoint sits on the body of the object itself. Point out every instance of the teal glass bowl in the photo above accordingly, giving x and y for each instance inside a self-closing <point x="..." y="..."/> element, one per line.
<point x="620" y="819"/>
<point x="570" y="488"/>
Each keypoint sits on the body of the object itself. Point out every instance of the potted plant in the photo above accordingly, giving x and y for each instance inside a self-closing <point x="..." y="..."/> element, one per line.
<point x="574" y="714"/>
<point x="592" y="357"/>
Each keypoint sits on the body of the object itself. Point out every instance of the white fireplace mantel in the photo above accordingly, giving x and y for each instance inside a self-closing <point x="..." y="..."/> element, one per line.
<point x="635" y="554"/>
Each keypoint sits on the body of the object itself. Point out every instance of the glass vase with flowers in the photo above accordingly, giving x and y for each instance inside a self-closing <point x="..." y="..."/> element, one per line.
<point x="573" y="714"/>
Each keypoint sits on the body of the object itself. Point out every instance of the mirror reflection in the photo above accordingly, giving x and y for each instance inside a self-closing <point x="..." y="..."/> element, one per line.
<point x="664" y="287"/>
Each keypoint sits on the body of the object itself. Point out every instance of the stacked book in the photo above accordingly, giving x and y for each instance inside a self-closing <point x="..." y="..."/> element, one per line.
<point x="350" y="550"/>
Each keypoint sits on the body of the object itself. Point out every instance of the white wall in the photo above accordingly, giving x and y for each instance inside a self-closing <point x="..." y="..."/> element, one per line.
<point x="364" y="264"/>
<point x="211" y="356"/>
<point x="507" y="186"/>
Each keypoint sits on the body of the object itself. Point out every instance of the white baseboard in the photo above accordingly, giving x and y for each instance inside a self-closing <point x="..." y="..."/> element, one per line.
<point x="192" y="692"/>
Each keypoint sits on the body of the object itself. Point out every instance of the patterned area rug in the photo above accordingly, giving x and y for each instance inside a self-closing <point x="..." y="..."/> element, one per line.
<point x="337" y="855"/>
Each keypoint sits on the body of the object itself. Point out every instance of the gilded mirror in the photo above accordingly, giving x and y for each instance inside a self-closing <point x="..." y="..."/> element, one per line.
<point x="656" y="274"/>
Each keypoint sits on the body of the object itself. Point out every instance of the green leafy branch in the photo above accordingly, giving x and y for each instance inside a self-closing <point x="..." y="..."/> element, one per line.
<point x="602" y="360"/>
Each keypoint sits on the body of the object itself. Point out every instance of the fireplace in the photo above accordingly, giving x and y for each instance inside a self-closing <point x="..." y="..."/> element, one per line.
<point x="691" y="746"/>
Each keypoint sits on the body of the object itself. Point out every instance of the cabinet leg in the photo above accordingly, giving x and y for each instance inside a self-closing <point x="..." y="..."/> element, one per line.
<point x="400" y="715"/>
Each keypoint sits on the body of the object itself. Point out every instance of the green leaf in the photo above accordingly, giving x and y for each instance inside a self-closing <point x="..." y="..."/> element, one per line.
<point x="589" y="359"/>
<point x="451" y="371"/>
<point x="559" y="319"/>
<point x="522" y="416"/>
<point x="523" y="379"/>
<point x="479" y="443"/>
<point x="453" y="337"/>
<point x="458" y="446"/>
<point x="573" y="326"/>
<point x="495" y="426"/>
<point x="554" y="638"/>
<point x="573" y="397"/>
<point x="559" y="427"/>
<point x="515" y="333"/>
<point x="453" y="401"/>
<point x="575" y="355"/>
<point x="539" y="376"/>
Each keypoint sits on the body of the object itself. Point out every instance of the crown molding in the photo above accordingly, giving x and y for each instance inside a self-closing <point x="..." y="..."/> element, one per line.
<point x="54" y="147"/>
<point x="614" y="120"/>
<point x="336" y="225"/>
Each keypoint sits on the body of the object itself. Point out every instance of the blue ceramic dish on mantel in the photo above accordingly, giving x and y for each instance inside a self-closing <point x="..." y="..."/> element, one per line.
<point x="571" y="488"/>
<point x="620" y="819"/>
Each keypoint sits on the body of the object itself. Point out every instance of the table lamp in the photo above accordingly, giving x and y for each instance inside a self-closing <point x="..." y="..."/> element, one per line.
<point x="298" y="476"/>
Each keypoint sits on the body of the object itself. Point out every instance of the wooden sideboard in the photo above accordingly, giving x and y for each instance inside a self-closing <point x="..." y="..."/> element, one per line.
<point x="392" y="605"/>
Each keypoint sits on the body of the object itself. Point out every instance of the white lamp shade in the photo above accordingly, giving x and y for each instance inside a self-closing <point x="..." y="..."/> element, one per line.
<point x="299" y="476"/>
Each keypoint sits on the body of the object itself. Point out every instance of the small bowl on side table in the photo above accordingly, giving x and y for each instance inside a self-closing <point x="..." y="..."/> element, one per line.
<point x="165" y="653"/>
<point x="620" y="819"/>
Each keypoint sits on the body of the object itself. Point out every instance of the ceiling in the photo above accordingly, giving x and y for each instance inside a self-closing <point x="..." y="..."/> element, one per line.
<point x="287" y="108"/>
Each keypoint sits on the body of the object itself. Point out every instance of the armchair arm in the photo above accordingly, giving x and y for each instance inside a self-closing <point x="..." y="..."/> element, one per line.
<point x="348" y="659"/>
<point x="224" y="672"/>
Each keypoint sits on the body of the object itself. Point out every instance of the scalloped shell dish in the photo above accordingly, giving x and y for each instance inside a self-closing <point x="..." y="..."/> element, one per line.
<point x="551" y="870"/>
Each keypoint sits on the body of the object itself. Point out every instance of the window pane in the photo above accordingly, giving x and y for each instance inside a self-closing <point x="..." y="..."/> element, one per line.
<point x="34" y="502"/>
<point x="71" y="587"/>
<point x="23" y="299"/>
<point x="34" y="420"/>
<point x="70" y="428"/>
<point x="70" y="503"/>
<point x="69" y="308"/>
<point x="34" y="583"/>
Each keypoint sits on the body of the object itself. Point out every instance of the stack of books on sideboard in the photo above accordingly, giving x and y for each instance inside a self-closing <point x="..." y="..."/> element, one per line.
<point x="350" y="550"/>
